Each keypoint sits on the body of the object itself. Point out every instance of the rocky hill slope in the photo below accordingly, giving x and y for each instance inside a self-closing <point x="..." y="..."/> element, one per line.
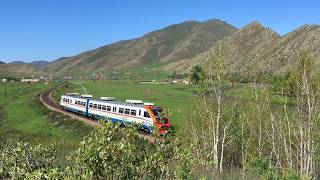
<point x="256" y="49"/>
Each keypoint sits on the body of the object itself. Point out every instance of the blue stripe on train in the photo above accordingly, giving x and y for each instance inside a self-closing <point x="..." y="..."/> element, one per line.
<point x="87" y="106"/>
<point x="104" y="118"/>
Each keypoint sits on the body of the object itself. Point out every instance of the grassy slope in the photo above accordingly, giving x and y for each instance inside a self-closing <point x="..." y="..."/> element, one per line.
<point x="178" y="99"/>
<point x="25" y="119"/>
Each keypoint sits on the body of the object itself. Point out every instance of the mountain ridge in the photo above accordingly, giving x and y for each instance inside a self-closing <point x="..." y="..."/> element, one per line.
<point x="255" y="49"/>
<point x="172" y="43"/>
<point x="35" y="64"/>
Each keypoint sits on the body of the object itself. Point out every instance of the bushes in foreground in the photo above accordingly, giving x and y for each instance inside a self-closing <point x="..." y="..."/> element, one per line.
<point x="110" y="151"/>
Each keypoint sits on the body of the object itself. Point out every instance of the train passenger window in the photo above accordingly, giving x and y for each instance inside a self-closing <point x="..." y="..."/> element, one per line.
<point x="71" y="101"/>
<point x="94" y="106"/>
<point x="84" y="103"/>
<point x="146" y="114"/>
<point x="76" y="102"/>
<point x="114" y="109"/>
<point x="133" y="112"/>
<point x="108" y="108"/>
<point x="90" y="105"/>
<point x="121" y="110"/>
<point x="127" y="111"/>
<point x="103" y="107"/>
<point x="99" y="106"/>
<point x="139" y="112"/>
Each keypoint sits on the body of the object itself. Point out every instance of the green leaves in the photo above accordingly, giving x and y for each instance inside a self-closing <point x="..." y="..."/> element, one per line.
<point x="109" y="152"/>
<point x="22" y="159"/>
<point x="197" y="74"/>
<point x="112" y="151"/>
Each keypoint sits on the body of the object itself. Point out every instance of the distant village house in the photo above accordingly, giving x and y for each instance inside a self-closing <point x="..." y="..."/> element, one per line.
<point x="29" y="80"/>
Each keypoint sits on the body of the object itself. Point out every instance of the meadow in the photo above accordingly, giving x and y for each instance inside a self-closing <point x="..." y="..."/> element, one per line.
<point x="23" y="118"/>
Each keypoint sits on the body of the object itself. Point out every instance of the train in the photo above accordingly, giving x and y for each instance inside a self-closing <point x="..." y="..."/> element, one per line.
<point x="148" y="115"/>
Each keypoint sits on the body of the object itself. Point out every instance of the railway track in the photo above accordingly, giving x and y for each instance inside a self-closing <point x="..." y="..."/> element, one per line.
<point x="48" y="102"/>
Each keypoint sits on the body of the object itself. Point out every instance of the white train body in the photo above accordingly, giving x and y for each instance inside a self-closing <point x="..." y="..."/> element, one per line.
<point x="107" y="108"/>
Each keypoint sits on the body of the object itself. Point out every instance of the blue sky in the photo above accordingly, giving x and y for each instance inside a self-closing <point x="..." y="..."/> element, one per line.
<point x="49" y="29"/>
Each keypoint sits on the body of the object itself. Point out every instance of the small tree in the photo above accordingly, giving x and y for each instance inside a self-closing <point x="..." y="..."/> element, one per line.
<point x="197" y="74"/>
<point x="216" y="120"/>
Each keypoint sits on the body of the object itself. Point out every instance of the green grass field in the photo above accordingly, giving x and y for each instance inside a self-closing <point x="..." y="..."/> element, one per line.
<point x="23" y="118"/>
<point x="249" y="92"/>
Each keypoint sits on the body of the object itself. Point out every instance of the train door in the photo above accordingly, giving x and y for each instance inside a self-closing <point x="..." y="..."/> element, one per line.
<point x="126" y="114"/>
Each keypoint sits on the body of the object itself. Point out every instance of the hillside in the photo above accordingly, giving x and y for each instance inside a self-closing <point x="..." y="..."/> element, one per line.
<point x="169" y="45"/>
<point x="18" y="70"/>
<point x="34" y="64"/>
<point x="17" y="62"/>
<point x="39" y="64"/>
<point x="244" y="49"/>
<point x="2" y="62"/>
<point x="287" y="49"/>
<point x="256" y="49"/>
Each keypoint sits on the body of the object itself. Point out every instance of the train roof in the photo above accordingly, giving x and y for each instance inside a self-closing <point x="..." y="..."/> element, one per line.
<point x="104" y="101"/>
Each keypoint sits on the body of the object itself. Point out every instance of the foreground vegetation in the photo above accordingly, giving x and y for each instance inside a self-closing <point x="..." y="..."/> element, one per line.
<point x="273" y="139"/>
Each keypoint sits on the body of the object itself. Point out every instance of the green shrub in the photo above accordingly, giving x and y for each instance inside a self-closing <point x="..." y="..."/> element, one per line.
<point x="289" y="174"/>
<point x="22" y="159"/>
<point x="260" y="166"/>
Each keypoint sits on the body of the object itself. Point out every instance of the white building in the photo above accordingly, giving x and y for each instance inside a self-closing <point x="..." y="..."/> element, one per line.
<point x="29" y="80"/>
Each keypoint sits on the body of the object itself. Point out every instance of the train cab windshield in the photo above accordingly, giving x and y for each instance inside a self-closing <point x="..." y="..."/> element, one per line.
<point x="160" y="115"/>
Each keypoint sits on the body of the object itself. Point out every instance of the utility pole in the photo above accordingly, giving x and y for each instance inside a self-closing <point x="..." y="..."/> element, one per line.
<point x="5" y="89"/>
<point x="4" y="81"/>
